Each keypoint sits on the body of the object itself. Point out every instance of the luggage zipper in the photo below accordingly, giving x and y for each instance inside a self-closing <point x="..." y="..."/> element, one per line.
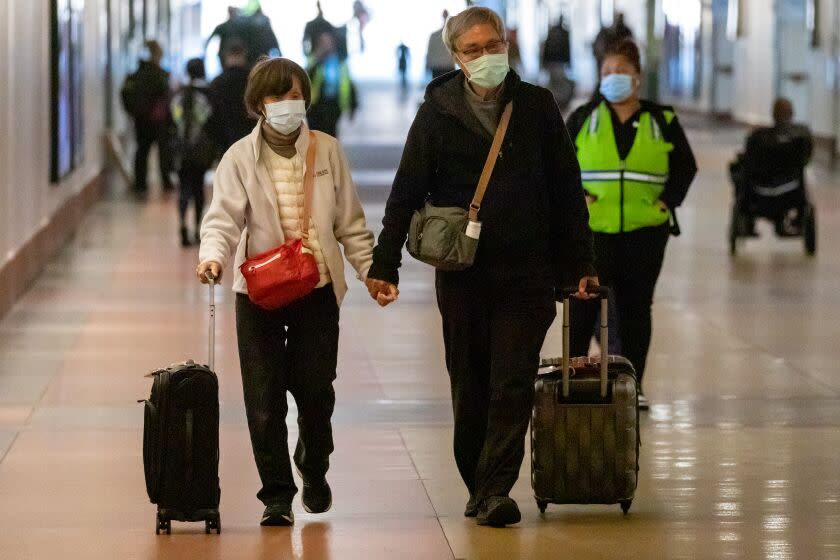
<point x="163" y="413"/>
<point x="189" y="446"/>
<point x="252" y="268"/>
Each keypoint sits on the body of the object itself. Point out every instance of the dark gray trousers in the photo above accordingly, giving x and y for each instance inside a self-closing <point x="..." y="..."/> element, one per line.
<point x="293" y="349"/>
<point x="494" y="325"/>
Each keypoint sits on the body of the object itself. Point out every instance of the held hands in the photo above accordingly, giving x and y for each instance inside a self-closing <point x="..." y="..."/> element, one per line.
<point x="587" y="283"/>
<point x="383" y="292"/>
<point x="212" y="267"/>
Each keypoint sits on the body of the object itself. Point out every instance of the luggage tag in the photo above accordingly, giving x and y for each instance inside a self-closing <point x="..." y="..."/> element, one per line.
<point x="551" y="366"/>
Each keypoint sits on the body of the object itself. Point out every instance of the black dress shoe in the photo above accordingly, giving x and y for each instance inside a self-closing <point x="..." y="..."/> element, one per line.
<point x="278" y="515"/>
<point x="498" y="511"/>
<point x="472" y="507"/>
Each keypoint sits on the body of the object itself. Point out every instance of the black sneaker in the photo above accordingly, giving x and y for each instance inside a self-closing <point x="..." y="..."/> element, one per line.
<point x="472" y="507"/>
<point x="643" y="402"/>
<point x="316" y="496"/>
<point x="279" y="515"/>
<point x="498" y="511"/>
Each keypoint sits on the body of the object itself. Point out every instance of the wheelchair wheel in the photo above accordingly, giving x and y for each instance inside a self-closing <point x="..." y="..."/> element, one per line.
<point x="809" y="230"/>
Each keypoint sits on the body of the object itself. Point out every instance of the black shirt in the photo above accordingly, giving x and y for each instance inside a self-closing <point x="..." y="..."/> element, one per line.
<point x="777" y="153"/>
<point x="682" y="167"/>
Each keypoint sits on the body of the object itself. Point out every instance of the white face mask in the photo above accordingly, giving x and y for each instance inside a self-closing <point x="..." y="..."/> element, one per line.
<point x="488" y="71"/>
<point x="286" y="116"/>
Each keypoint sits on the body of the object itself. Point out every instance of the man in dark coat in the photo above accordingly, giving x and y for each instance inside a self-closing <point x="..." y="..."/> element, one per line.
<point x="230" y="120"/>
<point x="234" y="30"/>
<point x="314" y="29"/>
<point x="534" y="238"/>
<point x="146" y="98"/>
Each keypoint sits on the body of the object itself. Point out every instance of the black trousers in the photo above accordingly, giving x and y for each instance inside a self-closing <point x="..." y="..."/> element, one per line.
<point x="191" y="189"/>
<point x="494" y="325"/>
<point x="629" y="263"/>
<point x="293" y="349"/>
<point x="147" y="135"/>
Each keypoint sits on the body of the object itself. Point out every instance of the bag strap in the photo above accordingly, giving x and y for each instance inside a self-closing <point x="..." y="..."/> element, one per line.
<point x="674" y="227"/>
<point x="475" y="206"/>
<point x="308" y="187"/>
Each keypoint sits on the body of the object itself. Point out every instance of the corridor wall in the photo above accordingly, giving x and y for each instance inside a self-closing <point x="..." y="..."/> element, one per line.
<point x="755" y="65"/>
<point x="823" y="69"/>
<point x="36" y="217"/>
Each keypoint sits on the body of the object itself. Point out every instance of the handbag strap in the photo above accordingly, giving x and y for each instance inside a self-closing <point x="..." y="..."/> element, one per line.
<point x="475" y="206"/>
<point x="308" y="186"/>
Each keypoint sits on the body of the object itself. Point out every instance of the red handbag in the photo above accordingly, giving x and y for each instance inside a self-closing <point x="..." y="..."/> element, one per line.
<point x="289" y="272"/>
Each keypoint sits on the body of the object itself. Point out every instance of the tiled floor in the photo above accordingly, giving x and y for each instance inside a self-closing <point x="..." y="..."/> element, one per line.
<point x="740" y="449"/>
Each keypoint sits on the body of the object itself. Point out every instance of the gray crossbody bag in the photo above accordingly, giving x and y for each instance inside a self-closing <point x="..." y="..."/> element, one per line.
<point x="447" y="237"/>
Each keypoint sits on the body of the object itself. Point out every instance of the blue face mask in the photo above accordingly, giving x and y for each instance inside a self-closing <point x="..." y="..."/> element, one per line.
<point x="617" y="87"/>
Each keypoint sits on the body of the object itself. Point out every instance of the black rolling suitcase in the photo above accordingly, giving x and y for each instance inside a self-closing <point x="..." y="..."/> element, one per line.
<point x="181" y="442"/>
<point x="585" y="426"/>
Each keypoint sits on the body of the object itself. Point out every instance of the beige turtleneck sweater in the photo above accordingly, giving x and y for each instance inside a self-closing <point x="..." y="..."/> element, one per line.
<point x="281" y="144"/>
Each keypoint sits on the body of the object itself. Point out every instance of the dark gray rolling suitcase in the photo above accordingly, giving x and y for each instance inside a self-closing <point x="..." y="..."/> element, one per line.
<point x="181" y="442"/>
<point x="585" y="427"/>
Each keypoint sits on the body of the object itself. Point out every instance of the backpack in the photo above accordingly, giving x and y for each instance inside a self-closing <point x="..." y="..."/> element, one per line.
<point x="142" y="100"/>
<point x="131" y="95"/>
<point x="191" y="111"/>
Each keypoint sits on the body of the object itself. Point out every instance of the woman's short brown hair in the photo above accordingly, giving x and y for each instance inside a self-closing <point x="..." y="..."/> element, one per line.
<point x="626" y="48"/>
<point x="274" y="77"/>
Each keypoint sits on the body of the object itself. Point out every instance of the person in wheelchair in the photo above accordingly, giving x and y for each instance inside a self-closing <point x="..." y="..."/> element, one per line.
<point x="769" y="176"/>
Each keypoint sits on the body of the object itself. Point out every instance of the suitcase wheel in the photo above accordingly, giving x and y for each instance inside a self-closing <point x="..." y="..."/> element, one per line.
<point x="625" y="506"/>
<point x="542" y="505"/>
<point x="164" y="525"/>
<point x="213" y="523"/>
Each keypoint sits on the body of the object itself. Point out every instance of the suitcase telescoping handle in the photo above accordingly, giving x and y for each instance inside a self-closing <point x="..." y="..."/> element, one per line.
<point x="211" y="280"/>
<point x="604" y="292"/>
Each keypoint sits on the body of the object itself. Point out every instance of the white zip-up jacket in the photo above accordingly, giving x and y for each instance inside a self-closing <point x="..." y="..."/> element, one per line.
<point x="244" y="205"/>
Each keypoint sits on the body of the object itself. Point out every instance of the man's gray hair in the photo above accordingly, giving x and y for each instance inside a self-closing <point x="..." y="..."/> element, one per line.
<point x="458" y="24"/>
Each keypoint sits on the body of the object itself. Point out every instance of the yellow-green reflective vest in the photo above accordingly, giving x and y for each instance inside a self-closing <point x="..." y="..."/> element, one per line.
<point x="625" y="191"/>
<point x="345" y="87"/>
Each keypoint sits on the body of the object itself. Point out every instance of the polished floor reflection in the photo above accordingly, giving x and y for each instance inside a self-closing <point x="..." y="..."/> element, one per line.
<point x="740" y="448"/>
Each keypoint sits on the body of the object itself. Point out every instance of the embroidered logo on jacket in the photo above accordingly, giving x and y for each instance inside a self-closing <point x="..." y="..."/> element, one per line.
<point x="322" y="172"/>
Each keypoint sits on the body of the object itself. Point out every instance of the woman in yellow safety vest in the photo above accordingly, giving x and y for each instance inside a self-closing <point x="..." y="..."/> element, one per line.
<point x="636" y="165"/>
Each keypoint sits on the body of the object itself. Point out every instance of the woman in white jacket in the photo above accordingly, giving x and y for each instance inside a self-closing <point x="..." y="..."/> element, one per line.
<point x="258" y="200"/>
